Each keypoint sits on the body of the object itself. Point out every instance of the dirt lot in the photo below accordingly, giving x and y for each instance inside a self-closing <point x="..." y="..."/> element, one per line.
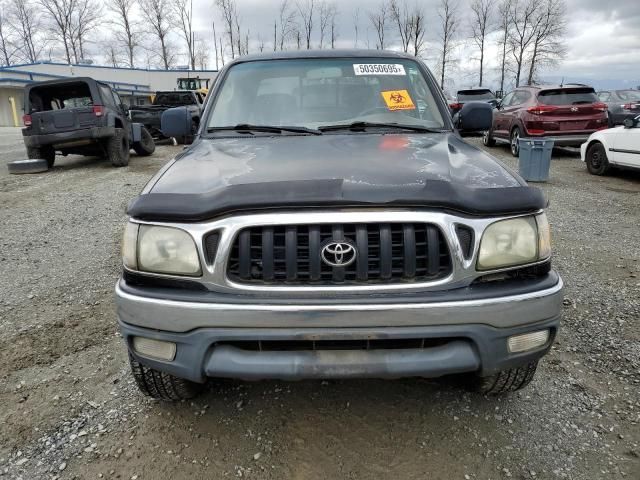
<point x="70" y="410"/>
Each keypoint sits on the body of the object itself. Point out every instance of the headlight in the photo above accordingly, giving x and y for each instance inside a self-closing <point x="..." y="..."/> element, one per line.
<point x="156" y="249"/>
<point x="516" y="241"/>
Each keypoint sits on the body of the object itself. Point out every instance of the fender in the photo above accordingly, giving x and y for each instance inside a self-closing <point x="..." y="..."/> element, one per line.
<point x="135" y="134"/>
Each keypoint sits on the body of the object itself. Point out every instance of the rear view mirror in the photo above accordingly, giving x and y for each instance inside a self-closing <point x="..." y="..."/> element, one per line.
<point x="630" y="122"/>
<point x="176" y="122"/>
<point x="475" y="117"/>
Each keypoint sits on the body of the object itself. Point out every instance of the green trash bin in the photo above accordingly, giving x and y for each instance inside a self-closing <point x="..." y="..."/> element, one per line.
<point x="534" y="158"/>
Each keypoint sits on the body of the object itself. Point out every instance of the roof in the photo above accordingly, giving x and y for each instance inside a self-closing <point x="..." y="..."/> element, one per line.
<point x="333" y="53"/>
<point x="555" y="87"/>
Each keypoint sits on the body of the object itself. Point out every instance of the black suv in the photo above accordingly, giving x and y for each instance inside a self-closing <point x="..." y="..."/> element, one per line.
<point x="329" y="221"/>
<point x="80" y="116"/>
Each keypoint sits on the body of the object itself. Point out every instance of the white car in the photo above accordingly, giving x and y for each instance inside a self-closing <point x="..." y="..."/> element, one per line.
<point x="619" y="146"/>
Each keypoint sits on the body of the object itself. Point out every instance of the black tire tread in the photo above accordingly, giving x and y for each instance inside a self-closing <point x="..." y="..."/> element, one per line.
<point x="162" y="385"/>
<point x="605" y="167"/>
<point x="113" y="147"/>
<point x="506" y="381"/>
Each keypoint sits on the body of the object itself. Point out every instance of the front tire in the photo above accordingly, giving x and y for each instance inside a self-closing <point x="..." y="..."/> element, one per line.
<point x="515" y="146"/>
<point x="117" y="148"/>
<point x="47" y="153"/>
<point x="505" y="381"/>
<point x="162" y="385"/>
<point x="597" y="161"/>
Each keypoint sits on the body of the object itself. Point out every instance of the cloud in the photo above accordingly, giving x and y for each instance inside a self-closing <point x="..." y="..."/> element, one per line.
<point x="603" y="38"/>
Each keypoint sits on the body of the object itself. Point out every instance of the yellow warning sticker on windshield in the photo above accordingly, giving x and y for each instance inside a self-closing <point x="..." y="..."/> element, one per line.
<point x="398" y="100"/>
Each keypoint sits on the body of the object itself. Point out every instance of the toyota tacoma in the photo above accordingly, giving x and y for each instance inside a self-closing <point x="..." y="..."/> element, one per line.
<point x="329" y="221"/>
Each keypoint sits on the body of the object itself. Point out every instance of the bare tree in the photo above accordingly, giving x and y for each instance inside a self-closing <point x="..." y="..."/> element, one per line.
<point x="112" y="55"/>
<point x="326" y="14"/>
<point x="418" y="29"/>
<point x="305" y="11"/>
<point x="27" y="25"/>
<point x="399" y="13"/>
<point x="215" y="42"/>
<point x="504" y="10"/>
<point x="85" y="16"/>
<point x="60" y="13"/>
<point x="157" y="14"/>
<point x="481" y="25"/>
<point x="126" y="30"/>
<point x="6" y="48"/>
<point x="229" y="12"/>
<point x="201" y="53"/>
<point x="333" y="35"/>
<point x="183" y="15"/>
<point x="379" y="20"/>
<point x="287" y="18"/>
<point x="523" y="19"/>
<point x="356" y="25"/>
<point x="448" y="13"/>
<point x="547" y="46"/>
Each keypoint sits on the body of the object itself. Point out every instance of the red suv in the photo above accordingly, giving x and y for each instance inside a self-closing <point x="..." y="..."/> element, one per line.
<point x="566" y="114"/>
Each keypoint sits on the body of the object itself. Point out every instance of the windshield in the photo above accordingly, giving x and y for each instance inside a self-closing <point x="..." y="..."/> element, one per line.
<point x="466" y="95"/>
<point x="323" y="92"/>
<point x="629" y="94"/>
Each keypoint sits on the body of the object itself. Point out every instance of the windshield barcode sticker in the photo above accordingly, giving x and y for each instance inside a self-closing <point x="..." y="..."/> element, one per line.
<point x="378" y="69"/>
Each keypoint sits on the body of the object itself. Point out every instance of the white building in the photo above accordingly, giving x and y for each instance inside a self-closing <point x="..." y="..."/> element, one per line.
<point x="135" y="85"/>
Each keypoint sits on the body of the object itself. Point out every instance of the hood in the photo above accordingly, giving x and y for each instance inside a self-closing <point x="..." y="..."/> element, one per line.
<point x="216" y="176"/>
<point x="360" y="160"/>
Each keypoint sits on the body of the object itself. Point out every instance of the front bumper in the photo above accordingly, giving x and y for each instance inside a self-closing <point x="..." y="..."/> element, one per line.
<point x="474" y="325"/>
<point x="61" y="139"/>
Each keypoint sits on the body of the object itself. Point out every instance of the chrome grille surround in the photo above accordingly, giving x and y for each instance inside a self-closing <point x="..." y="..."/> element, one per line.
<point x="214" y="275"/>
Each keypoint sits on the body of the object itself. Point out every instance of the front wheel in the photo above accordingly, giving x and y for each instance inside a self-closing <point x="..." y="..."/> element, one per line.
<point x="597" y="162"/>
<point x="162" y="385"/>
<point x="506" y="380"/>
<point x="515" y="145"/>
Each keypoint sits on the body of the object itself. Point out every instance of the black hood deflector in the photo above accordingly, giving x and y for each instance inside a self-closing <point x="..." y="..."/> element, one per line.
<point x="186" y="207"/>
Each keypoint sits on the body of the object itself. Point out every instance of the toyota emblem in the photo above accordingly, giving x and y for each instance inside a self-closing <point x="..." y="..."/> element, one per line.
<point x="338" y="254"/>
<point x="574" y="109"/>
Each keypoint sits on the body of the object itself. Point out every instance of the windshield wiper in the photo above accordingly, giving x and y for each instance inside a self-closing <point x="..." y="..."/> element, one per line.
<point x="361" y="126"/>
<point x="247" y="128"/>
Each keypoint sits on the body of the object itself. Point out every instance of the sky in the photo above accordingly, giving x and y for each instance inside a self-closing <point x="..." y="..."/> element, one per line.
<point x="603" y="38"/>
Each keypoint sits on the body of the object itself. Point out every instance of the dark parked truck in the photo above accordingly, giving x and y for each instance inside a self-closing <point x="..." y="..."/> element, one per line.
<point x="329" y="222"/>
<point x="80" y="116"/>
<point x="150" y="116"/>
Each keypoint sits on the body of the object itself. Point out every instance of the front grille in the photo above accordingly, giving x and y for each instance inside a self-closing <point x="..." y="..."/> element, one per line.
<point x="386" y="253"/>
<point x="353" y="344"/>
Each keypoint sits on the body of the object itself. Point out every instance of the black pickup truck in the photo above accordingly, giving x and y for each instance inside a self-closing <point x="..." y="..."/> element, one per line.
<point x="328" y="221"/>
<point x="80" y="116"/>
<point x="150" y="116"/>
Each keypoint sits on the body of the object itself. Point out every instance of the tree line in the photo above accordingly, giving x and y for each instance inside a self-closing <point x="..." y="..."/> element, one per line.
<point x="528" y="35"/>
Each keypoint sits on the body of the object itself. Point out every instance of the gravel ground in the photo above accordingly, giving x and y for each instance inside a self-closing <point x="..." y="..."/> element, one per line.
<point x="70" y="409"/>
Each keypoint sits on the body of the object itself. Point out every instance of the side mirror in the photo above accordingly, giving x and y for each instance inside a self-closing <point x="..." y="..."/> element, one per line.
<point x="475" y="117"/>
<point x="630" y="122"/>
<point x="176" y="122"/>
